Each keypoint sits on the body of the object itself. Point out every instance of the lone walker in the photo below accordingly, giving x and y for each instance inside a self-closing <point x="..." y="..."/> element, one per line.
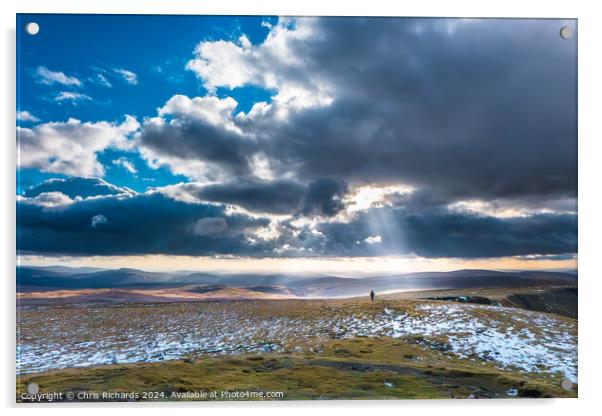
<point x="372" y="295"/>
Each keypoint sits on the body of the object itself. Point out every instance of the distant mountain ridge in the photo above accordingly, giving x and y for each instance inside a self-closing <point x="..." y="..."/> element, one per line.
<point x="31" y="279"/>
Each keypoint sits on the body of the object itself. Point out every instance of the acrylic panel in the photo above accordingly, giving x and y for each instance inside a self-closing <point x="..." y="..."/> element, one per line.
<point x="295" y="208"/>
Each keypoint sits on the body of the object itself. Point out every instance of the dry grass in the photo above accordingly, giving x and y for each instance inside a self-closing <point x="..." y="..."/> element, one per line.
<point x="305" y="368"/>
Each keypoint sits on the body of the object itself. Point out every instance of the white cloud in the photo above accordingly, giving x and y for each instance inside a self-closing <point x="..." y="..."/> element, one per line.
<point x="191" y="168"/>
<point x="98" y="220"/>
<point x="200" y="125"/>
<point x="27" y="116"/>
<point x="126" y="164"/>
<point x="48" y="77"/>
<point x="223" y="63"/>
<point x="73" y="97"/>
<point x="511" y="208"/>
<point x="261" y="167"/>
<point x="100" y="79"/>
<point x="70" y="147"/>
<point x="211" y="110"/>
<point x="129" y="76"/>
<point x="273" y="64"/>
<point x="363" y="198"/>
<point x="48" y="200"/>
<point x="374" y="239"/>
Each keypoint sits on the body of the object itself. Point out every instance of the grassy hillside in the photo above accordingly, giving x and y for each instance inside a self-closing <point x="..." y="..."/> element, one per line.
<point x="344" y="369"/>
<point x="327" y="349"/>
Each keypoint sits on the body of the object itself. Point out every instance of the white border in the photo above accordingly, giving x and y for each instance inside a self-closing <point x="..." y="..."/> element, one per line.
<point x="590" y="160"/>
<point x="458" y="8"/>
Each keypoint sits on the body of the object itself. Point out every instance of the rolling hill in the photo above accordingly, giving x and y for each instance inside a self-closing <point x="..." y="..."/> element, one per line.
<point x="32" y="279"/>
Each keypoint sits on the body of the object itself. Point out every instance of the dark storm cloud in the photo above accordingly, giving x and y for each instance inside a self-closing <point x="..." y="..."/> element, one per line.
<point x="487" y="110"/>
<point x="195" y="140"/>
<point x="77" y="187"/>
<point x="440" y="233"/>
<point x="154" y="223"/>
<point x="322" y="197"/>
<point x="276" y="197"/>
<point x="140" y="224"/>
<point x="467" y="108"/>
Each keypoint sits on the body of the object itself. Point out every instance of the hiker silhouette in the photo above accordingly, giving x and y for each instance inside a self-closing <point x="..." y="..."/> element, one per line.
<point x="372" y="295"/>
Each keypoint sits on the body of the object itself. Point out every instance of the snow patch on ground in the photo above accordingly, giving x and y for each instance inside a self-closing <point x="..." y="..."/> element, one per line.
<point x="526" y="341"/>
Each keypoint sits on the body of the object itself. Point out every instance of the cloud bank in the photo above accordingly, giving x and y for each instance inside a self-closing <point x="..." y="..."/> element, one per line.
<point x="434" y="137"/>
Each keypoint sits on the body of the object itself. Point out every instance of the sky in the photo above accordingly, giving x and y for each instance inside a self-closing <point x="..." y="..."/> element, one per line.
<point x="296" y="144"/>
